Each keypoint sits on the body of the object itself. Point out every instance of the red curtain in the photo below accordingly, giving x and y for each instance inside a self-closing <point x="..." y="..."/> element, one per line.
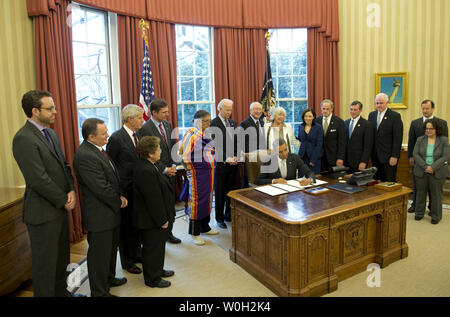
<point x="132" y="8"/>
<point x="130" y="59"/>
<point x="239" y="65"/>
<point x="55" y="73"/>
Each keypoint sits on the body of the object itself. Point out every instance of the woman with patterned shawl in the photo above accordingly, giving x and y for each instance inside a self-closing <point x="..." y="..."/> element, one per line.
<point x="197" y="153"/>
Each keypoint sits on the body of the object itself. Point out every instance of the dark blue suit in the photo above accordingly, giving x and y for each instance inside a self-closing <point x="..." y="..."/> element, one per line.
<point x="311" y="149"/>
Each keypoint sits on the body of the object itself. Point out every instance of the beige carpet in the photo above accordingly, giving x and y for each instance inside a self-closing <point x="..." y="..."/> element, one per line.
<point x="207" y="271"/>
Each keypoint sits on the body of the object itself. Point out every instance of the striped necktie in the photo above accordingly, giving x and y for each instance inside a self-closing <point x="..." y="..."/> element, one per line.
<point x="350" y="130"/>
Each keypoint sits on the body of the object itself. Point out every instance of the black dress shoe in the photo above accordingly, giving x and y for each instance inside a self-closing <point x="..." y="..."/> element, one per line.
<point x="418" y="218"/>
<point x="160" y="283"/>
<point x="434" y="222"/>
<point x="167" y="273"/>
<point x="411" y="209"/>
<point x="117" y="282"/>
<point x="134" y="269"/>
<point x="173" y="239"/>
<point x="222" y="225"/>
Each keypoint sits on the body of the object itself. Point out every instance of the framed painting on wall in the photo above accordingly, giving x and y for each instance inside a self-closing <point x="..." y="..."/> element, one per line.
<point x="395" y="85"/>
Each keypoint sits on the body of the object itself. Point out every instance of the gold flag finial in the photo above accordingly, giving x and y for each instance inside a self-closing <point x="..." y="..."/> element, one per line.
<point x="144" y="26"/>
<point x="268" y="36"/>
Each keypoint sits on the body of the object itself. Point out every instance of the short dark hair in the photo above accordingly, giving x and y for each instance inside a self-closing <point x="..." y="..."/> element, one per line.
<point x="147" y="145"/>
<point x="157" y="104"/>
<point x="436" y="124"/>
<point x="357" y="102"/>
<point x="305" y="112"/>
<point x="428" y="100"/>
<point x="90" y="127"/>
<point x="201" y="114"/>
<point x="32" y="99"/>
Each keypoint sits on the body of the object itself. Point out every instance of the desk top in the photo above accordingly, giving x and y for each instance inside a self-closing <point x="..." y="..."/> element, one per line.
<point x="299" y="207"/>
<point x="10" y="196"/>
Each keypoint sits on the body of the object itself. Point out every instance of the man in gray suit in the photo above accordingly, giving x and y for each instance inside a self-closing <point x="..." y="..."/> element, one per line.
<point x="101" y="201"/>
<point x="49" y="194"/>
<point x="415" y="131"/>
<point x="159" y="127"/>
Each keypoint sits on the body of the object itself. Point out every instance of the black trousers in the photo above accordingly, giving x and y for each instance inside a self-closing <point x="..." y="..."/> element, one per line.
<point x="50" y="255"/>
<point x="224" y="181"/>
<point x="385" y="172"/>
<point x="101" y="260"/>
<point x="153" y="253"/>
<point x="199" y="226"/>
<point x="130" y="246"/>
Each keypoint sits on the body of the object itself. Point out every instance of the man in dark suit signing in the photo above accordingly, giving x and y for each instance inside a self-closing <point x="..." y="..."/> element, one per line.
<point x="286" y="167"/>
<point x="388" y="134"/>
<point x="101" y="201"/>
<point x="121" y="148"/>
<point x="359" y="137"/>
<point x="333" y="136"/>
<point x="49" y="194"/>
<point x="159" y="127"/>
<point x="415" y="131"/>
<point x="225" y="139"/>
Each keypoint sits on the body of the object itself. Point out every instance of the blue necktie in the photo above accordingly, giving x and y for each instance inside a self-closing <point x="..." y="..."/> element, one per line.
<point x="350" y="130"/>
<point x="47" y="136"/>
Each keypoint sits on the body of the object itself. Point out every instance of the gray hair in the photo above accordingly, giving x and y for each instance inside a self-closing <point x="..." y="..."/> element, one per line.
<point x="223" y="102"/>
<point x="382" y="94"/>
<point x="327" y="101"/>
<point x="130" y="112"/>
<point x="279" y="110"/>
<point x="254" y="103"/>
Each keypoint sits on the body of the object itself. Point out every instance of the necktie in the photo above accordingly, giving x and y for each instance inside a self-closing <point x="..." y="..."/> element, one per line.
<point x="47" y="136"/>
<point x="325" y="126"/>
<point x="228" y="127"/>
<point x="378" y="119"/>
<point x="107" y="157"/>
<point x="350" y="130"/>
<point x="162" y="133"/>
<point x="258" y="130"/>
<point x="135" y="139"/>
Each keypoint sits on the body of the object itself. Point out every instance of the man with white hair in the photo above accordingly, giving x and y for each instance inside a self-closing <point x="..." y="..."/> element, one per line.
<point x="121" y="149"/>
<point x="388" y="132"/>
<point x="226" y="168"/>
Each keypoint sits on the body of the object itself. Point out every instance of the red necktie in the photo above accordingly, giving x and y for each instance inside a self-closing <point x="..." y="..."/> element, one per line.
<point x="162" y="133"/>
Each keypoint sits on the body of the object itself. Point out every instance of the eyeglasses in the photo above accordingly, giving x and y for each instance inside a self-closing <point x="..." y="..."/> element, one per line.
<point x="49" y="108"/>
<point x="429" y="129"/>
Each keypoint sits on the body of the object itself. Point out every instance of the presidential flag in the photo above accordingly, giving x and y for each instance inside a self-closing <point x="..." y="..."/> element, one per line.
<point x="147" y="92"/>
<point x="268" y="94"/>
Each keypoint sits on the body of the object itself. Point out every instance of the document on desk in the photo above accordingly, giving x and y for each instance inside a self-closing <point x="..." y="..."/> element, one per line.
<point x="271" y="190"/>
<point x="295" y="183"/>
<point x="287" y="188"/>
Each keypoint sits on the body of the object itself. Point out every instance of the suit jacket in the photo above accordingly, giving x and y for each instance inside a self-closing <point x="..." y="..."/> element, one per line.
<point x="153" y="197"/>
<point x="441" y="155"/>
<point x="334" y="140"/>
<point x="388" y="136"/>
<point x="252" y="145"/>
<point x="100" y="189"/>
<point x="149" y="129"/>
<point x="293" y="163"/>
<point x="359" y="146"/>
<point x="47" y="175"/>
<point x="416" y="130"/>
<point x="311" y="143"/>
<point x="226" y="141"/>
<point x="122" y="152"/>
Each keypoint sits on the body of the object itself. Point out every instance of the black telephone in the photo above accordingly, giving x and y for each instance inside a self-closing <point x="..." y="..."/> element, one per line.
<point x="362" y="177"/>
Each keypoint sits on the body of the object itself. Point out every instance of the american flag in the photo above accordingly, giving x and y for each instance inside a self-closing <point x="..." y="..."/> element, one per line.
<point x="147" y="92"/>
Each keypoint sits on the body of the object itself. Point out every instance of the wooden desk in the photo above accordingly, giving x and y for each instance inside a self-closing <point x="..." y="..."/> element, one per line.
<point x="302" y="245"/>
<point x="15" y="251"/>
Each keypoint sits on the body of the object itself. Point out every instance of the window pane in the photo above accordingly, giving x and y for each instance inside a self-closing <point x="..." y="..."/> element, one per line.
<point x="96" y="27"/>
<point x="92" y="90"/>
<point x="300" y="87"/>
<point x="201" y="38"/>
<point x="110" y="115"/>
<point x="299" y="106"/>
<point x="80" y="58"/>
<point x="205" y="106"/>
<point x="283" y="40"/>
<point x="78" y="24"/>
<point x="202" y="89"/>
<point x="202" y="64"/>
<point x="189" y="111"/>
<point x="187" y="89"/>
<point x="287" y="105"/>
<point x="185" y="37"/>
<point x="300" y="64"/>
<point x="186" y="63"/>
<point x="97" y="59"/>
<point x="299" y="40"/>
<point x="284" y="87"/>
<point x="274" y="64"/>
<point x="284" y="64"/>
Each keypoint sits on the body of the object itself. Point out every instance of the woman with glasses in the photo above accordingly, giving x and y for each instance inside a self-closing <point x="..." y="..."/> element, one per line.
<point x="431" y="154"/>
